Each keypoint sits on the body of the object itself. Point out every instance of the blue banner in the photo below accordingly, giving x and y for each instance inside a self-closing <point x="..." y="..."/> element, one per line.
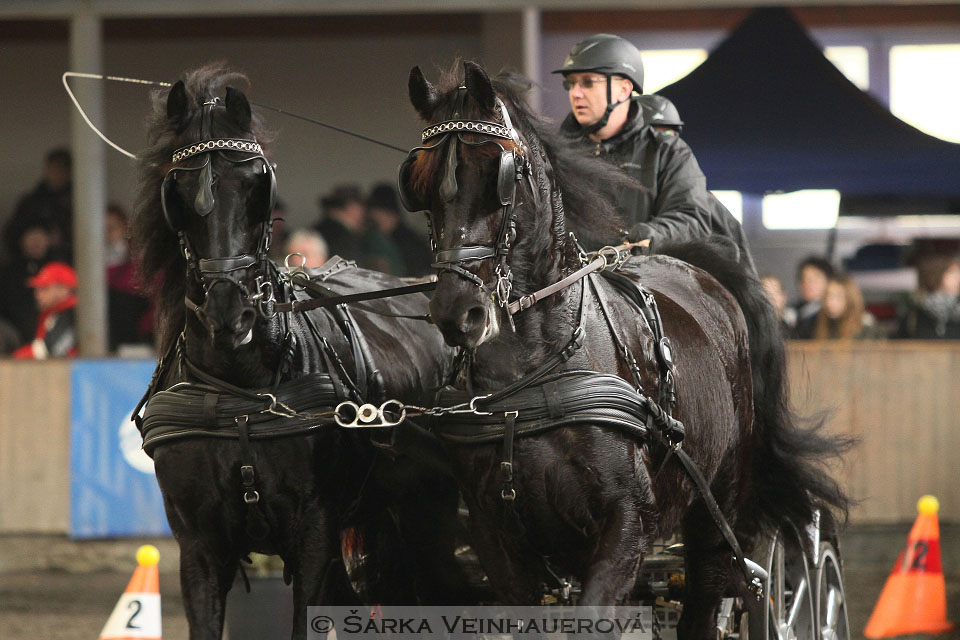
<point x="112" y="485"/>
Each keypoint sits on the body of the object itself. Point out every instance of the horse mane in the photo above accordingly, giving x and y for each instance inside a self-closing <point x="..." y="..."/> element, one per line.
<point x="162" y="266"/>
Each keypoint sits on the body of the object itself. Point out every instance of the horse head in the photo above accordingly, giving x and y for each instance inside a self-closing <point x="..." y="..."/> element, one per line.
<point x="217" y="196"/>
<point x="470" y="177"/>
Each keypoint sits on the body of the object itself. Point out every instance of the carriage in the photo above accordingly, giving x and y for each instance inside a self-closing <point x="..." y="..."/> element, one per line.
<point x="582" y="404"/>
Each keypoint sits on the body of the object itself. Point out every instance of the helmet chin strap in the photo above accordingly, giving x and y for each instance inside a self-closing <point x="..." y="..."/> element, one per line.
<point x="602" y="122"/>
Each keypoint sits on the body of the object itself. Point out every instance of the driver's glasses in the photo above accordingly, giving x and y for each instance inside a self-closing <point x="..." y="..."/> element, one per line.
<point x="586" y="82"/>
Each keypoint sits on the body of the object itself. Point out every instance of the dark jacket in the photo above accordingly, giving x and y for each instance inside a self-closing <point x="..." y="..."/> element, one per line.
<point x="341" y="241"/>
<point x="931" y="317"/>
<point x="674" y="205"/>
<point x="45" y="207"/>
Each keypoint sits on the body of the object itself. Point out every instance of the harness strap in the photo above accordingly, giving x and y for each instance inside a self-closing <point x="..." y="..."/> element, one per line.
<point x="151" y="388"/>
<point x="257" y="526"/>
<point x="507" y="491"/>
<point x="527" y="301"/>
<point x="755" y="575"/>
<point x="329" y="299"/>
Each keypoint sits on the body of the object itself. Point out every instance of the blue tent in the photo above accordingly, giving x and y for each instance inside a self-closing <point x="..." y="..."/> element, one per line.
<point x="767" y="111"/>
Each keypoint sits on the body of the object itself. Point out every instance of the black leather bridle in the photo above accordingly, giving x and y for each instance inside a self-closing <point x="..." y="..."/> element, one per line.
<point x="514" y="166"/>
<point x="209" y="271"/>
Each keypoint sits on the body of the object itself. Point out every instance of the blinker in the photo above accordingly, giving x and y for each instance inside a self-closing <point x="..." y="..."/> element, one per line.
<point x="204" y="202"/>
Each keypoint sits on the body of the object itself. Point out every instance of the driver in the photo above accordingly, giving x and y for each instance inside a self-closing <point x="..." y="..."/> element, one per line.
<point x="603" y="76"/>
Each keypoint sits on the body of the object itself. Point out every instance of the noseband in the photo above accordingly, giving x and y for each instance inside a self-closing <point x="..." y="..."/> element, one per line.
<point x="514" y="165"/>
<point x="209" y="271"/>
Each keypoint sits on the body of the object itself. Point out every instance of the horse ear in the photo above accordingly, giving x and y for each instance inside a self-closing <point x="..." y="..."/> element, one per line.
<point x="479" y="85"/>
<point x="423" y="95"/>
<point x="177" y="103"/>
<point x="238" y="108"/>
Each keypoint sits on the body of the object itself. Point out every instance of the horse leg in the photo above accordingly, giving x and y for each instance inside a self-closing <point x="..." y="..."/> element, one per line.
<point x="707" y="574"/>
<point x="513" y="569"/>
<point x="206" y="575"/>
<point x="613" y="567"/>
<point x="317" y="571"/>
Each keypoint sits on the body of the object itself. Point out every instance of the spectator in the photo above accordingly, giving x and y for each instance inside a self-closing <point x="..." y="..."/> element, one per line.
<point x="49" y="205"/>
<point x="842" y="315"/>
<point x="812" y="274"/>
<point x="54" y="287"/>
<point x="402" y="251"/>
<point x="934" y="311"/>
<point x="35" y="249"/>
<point x="344" y="222"/>
<point x="310" y="245"/>
<point x="9" y="338"/>
<point x="773" y="287"/>
<point x="128" y="309"/>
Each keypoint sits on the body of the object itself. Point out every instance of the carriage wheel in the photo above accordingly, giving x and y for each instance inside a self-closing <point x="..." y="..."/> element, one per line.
<point x="789" y="613"/>
<point x="831" y="598"/>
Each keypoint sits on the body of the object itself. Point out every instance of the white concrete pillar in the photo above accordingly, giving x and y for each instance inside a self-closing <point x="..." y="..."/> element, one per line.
<point x="89" y="185"/>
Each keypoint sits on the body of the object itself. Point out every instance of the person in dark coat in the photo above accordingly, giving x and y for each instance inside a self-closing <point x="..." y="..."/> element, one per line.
<point x="49" y="204"/>
<point x="813" y="272"/>
<point x="601" y="75"/>
<point x="344" y="222"/>
<point x="408" y="253"/>
<point x="661" y="114"/>
<point x="934" y="312"/>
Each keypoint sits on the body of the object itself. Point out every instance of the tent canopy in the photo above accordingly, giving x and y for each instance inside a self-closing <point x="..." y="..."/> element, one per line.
<point x="768" y="112"/>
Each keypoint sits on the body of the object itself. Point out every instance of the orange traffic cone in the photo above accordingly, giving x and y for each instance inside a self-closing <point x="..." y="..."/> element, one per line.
<point x="137" y="614"/>
<point x="914" y="598"/>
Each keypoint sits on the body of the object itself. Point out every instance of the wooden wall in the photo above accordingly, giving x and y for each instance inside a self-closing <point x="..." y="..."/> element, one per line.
<point x="901" y="399"/>
<point x="34" y="446"/>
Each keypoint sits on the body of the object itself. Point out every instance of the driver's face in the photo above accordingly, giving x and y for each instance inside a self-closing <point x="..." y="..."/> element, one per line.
<point x="588" y="96"/>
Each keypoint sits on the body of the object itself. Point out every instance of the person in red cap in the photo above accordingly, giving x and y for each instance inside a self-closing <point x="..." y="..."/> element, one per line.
<point x="54" y="288"/>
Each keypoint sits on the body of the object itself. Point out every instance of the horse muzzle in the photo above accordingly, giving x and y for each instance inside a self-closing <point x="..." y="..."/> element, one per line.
<point x="467" y="318"/>
<point x="227" y="315"/>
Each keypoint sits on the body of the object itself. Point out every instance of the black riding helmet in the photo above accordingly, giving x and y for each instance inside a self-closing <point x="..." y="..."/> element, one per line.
<point x="609" y="55"/>
<point x="659" y="111"/>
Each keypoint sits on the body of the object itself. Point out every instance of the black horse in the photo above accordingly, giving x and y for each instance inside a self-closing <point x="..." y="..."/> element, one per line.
<point x="238" y="379"/>
<point x="586" y="498"/>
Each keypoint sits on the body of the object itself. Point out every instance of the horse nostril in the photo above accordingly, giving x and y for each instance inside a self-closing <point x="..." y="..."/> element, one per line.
<point x="473" y="318"/>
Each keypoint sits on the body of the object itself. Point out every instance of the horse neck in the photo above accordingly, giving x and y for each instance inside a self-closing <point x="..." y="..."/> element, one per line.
<point x="544" y="255"/>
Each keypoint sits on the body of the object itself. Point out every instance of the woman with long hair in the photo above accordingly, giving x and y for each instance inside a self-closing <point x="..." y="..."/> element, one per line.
<point x="843" y="314"/>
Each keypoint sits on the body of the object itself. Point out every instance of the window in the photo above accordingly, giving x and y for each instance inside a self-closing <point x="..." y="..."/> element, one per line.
<point x="733" y="201"/>
<point x="806" y="209"/>
<point x="662" y="67"/>
<point x="852" y="62"/>
<point x="923" y="91"/>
